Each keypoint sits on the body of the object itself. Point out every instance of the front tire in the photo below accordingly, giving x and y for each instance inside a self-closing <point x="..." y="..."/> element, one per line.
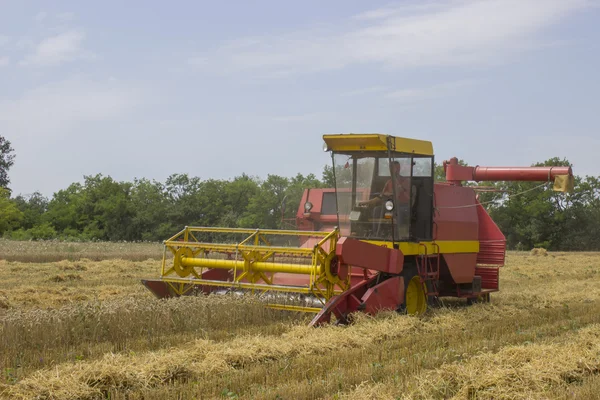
<point x="415" y="299"/>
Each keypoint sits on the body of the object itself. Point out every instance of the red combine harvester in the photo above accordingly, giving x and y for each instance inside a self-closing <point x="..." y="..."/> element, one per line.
<point x="386" y="237"/>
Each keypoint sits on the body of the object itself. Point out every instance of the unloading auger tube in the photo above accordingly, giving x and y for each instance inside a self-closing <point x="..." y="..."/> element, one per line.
<point x="305" y="266"/>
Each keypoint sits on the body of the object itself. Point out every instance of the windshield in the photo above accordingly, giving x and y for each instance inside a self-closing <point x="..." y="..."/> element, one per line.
<point x="379" y="189"/>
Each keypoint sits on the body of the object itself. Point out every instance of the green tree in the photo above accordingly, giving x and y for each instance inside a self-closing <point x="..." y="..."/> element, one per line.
<point x="528" y="213"/>
<point x="63" y="210"/>
<point x="101" y="209"/>
<point x="33" y="208"/>
<point x="183" y="193"/>
<point x="328" y="177"/>
<point x="151" y="203"/>
<point x="105" y="210"/>
<point x="237" y="195"/>
<point x="531" y="214"/>
<point x="579" y="217"/>
<point x="10" y="215"/>
<point x="264" y="208"/>
<point x="7" y="158"/>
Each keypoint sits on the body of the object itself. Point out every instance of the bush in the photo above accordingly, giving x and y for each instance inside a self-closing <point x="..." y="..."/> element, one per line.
<point x="71" y="235"/>
<point x="44" y="231"/>
<point x="543" y="245"/>
<point x="19" y="234"/>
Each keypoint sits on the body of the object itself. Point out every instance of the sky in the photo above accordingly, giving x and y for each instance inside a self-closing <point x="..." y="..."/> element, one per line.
<point x="146" y="89"/>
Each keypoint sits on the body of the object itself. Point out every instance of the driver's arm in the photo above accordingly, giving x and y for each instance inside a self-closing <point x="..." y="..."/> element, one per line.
<point x="374" y="200"/>
<point x="387" y="191"/>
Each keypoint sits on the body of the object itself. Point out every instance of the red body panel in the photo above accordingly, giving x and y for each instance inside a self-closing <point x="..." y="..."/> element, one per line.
<point x="492" y="243"/>
<point x="386" y="295"/>
<point x="461" y="266"/>
<point x="369" y="256"/>
<point x="160" y="289"/>
<point x="490" y="279"/>
<point x="367" y="295"/>
<point x="454" y="221"/>
<point x="314" y="220"/>
<point x="342" y="305"/>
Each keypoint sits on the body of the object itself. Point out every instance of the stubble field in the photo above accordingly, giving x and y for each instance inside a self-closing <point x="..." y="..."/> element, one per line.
<point x="75" y="323"/>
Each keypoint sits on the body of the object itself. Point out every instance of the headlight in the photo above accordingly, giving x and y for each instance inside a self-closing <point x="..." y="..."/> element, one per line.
<point x="308" y="206"/>
<point x="389" y="205"/>
<point x="325" y="147"/>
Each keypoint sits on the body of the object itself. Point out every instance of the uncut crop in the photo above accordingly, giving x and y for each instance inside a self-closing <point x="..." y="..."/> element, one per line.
<point x="538" y="338"/>
<point x="54" y="250"/>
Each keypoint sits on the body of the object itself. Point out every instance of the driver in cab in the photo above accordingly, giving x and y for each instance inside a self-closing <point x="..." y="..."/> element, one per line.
<point x="402" y="189"/>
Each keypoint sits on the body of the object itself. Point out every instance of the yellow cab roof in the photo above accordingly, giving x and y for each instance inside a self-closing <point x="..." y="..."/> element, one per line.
<point x="376" y="142"/>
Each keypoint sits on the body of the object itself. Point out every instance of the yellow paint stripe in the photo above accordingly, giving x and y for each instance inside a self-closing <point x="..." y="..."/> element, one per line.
<point x="445" y="246"/>
<point x="294" y="308"/>
<point x="252" y="231"/>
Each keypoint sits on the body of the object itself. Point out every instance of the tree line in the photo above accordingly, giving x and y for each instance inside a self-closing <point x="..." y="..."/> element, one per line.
<point x="101" y="208"/>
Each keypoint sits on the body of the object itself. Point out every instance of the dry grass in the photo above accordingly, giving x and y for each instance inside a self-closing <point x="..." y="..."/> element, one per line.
<point x="539" y="338"/>
<point x="55" y="284"/>
<point x="87" y="331"/>
<point x="519" y="371"/>
<point x="539" y="252"/>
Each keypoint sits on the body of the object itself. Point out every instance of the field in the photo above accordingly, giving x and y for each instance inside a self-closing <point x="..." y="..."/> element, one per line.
<point x="75" y="323"/>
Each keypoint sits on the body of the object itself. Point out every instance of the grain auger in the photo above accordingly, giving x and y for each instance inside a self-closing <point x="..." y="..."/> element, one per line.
<point x="385" y="238"/>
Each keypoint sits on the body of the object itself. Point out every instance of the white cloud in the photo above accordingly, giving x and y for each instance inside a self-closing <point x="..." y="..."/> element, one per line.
<point x="4" y="61"/>
<point x="57" y="49"/>
<point x="364" y="91"/>
<point x="414" y="94"/>
<point x="65" y="16"/>
<point x="400" y="9"/>
<point x="4" y="40"/>
<point x="60" y="17"/>
<point x="24" y="44"/>
<point x="301" y="117"/>
<point x="198" y="61"/>
<point x="39" y="17"/>
<point x="460" y="32"/>
<point x="52" y="110"/>
<point x="410" y="95"/>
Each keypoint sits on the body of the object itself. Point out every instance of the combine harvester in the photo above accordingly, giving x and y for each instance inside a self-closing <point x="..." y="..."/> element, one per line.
<point x="387" y="237"/>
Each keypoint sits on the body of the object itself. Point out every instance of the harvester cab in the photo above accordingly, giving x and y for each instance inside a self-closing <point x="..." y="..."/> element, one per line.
<point x="384" y="186"/>
<point x="385" y="238"/>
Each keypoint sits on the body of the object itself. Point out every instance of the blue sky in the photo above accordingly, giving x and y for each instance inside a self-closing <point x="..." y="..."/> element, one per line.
<point x="217" y="89"/>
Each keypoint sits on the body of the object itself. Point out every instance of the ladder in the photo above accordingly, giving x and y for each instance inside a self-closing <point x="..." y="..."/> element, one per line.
<point x="428" y="267"/>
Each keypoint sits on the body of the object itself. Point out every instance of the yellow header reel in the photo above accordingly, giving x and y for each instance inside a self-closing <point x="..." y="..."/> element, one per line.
<point x="256" y="260"/>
